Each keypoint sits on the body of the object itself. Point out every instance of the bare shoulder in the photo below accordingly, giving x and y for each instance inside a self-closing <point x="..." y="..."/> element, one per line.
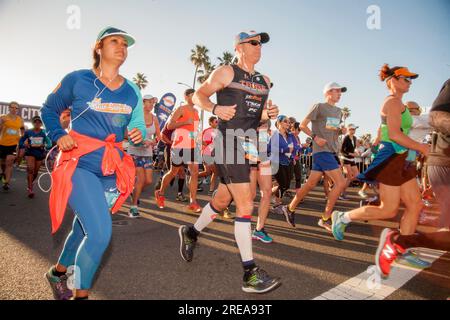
<point x="392" y="104"/>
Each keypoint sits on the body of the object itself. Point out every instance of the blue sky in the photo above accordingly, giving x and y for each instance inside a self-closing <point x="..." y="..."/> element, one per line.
<point x="312" y="43"/>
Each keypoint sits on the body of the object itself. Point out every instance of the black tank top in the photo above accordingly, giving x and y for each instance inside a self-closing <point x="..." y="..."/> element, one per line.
<point x="249" y="93"/>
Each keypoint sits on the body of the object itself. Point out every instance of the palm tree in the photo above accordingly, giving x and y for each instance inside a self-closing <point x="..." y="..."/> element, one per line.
<point x="367" y="137"/>
<point x="206" y="71"/>
<point x="346" y="112"/>
<point x="140" y="80"/>
<point x="226" y="59"/>
<point x="199" y="56"/>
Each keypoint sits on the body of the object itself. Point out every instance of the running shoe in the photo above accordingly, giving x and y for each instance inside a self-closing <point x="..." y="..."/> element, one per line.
<point x="58" y="285"/>
<point x="194" y="207"/>
<point x="343" y="197"/>
<point x="199" y="189"/>
<point x="363" y="194"/>
<point x="187" y="244"/>
<point x="227" y="214"/>
<point x="180" y="197"/>
<point x="30" y="193"/>
<point x="325" y="224"/>
<point x="411" y="259"/>
<point x="387" y="252"/>
<point x="2" y="177"/>
<point x="258" y="281"/>
<point x="134" y="213"/>
<point x="290" y="216"/>
<point x="6" y="186"/>
<point x="262" y="236"/>
<point x="337" y="225"/>
<point x="159" y="199"/>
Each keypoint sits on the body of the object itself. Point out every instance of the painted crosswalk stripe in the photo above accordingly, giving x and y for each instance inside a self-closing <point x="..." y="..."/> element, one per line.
<point x="369" y="285"/>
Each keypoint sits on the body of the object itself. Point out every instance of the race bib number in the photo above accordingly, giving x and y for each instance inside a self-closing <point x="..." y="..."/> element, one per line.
<point x="332" y="123"/>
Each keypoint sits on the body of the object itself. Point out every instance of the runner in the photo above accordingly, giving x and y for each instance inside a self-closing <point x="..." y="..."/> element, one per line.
<point x="348" y="155"/>
<point x="392" y="167"/>
<point x="166" y="138"/>
<point x="282" y="148"/>
<point x="185" y="121"/>
<point x="298" y="174"/>
<point x="10" y="128"/>
<point x="143" y="154"/>
<point x="241" y="104"/>
<point x="35" y="142"/>
<point x="208" y="136"/>
<point x="261" y="175"/>
<point x="92" y="172"/>
<point x="325" y="119"/>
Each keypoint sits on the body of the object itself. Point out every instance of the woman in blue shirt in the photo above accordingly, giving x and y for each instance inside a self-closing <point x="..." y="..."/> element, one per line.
<point x="104" y="105"/>
<point x="35" y="141"/>
<point x="282" y="149"/>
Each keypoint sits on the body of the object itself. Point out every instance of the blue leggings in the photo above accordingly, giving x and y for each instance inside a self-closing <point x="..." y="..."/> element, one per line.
<point x="92" y="227"/>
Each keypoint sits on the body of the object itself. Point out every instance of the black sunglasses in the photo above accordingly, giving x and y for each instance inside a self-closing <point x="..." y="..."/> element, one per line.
<point x="253" y="43"/>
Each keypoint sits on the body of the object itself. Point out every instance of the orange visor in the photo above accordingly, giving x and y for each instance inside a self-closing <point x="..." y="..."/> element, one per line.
<point x="406" y="73"/>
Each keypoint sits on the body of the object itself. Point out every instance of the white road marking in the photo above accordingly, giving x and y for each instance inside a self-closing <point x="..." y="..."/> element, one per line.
<point x="370" y="286"/>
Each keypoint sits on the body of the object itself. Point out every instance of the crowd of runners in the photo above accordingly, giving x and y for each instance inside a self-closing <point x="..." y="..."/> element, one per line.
<point x="111" y="147"/>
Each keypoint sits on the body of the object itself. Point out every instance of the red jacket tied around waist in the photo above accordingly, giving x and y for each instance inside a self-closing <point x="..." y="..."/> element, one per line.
<point x="67" y="162"/>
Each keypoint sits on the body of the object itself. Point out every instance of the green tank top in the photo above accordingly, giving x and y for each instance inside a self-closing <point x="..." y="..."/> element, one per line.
<point x="405" y="126"/>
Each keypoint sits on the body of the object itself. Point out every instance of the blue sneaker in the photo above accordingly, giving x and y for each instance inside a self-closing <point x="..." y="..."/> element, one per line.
<point x="337" y="225"/>
<point x="412" y="260"/>
<point x="58" y="285"/>
<point x="261" y="235"/>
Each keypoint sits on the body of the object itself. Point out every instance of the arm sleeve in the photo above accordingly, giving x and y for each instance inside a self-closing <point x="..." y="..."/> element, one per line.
<point x="137" y="117"/>
<point x="58" y="101"/>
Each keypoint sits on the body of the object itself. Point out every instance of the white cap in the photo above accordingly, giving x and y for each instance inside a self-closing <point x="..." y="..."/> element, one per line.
<point x="148" y="97"/>
<point x="352" y="126"/>
<point x="333" y="85"/>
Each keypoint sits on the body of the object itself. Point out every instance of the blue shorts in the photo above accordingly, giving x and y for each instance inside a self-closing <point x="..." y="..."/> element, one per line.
<point x="143" y="162"/>
<point x="324" y="161"/>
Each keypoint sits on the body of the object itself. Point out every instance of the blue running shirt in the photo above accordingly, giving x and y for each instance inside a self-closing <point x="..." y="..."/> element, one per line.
<point x="111" y="112"/>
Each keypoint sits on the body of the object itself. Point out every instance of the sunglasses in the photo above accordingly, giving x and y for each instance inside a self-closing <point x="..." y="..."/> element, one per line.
<point x="407" y="79"/>
<point x="253" y="43"/>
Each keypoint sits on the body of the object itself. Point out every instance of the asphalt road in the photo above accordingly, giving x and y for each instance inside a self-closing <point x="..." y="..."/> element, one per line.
<point x="143" y="260"/>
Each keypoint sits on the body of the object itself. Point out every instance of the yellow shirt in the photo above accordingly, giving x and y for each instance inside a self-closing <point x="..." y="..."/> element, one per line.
<point x="10" y="133"/>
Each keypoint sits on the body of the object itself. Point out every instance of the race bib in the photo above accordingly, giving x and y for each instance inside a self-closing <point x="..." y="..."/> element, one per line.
<point x="251" y="152"/>
<point x="12" y="132"/>
<point x="332" y="123"/>
<point x="36" y="141"/>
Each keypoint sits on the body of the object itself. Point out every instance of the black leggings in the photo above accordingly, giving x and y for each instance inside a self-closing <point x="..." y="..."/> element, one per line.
<point x="283" y="177"/>
<point x="298" y="174"/>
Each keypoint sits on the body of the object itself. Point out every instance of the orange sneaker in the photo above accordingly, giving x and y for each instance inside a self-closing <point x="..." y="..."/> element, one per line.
<point x="159" y="199"/>
<point x="195" y="207"/>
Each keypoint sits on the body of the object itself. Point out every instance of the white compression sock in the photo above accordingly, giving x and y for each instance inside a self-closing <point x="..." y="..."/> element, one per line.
<point x="243" y="235"/>
<point x="207" y="216"/>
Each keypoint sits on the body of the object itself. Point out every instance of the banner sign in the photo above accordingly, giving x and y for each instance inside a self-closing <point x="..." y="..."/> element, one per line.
<point x="164" y="108"/>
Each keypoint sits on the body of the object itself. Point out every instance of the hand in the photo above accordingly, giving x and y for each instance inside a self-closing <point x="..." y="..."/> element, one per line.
<point x="225" y="112"/>
<point x="320" y="141"/>
<point x="424" y="149"/>
<point x="272" y="110"/>
<point x="135" y="135"/>
<point x="66" y="143"/>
